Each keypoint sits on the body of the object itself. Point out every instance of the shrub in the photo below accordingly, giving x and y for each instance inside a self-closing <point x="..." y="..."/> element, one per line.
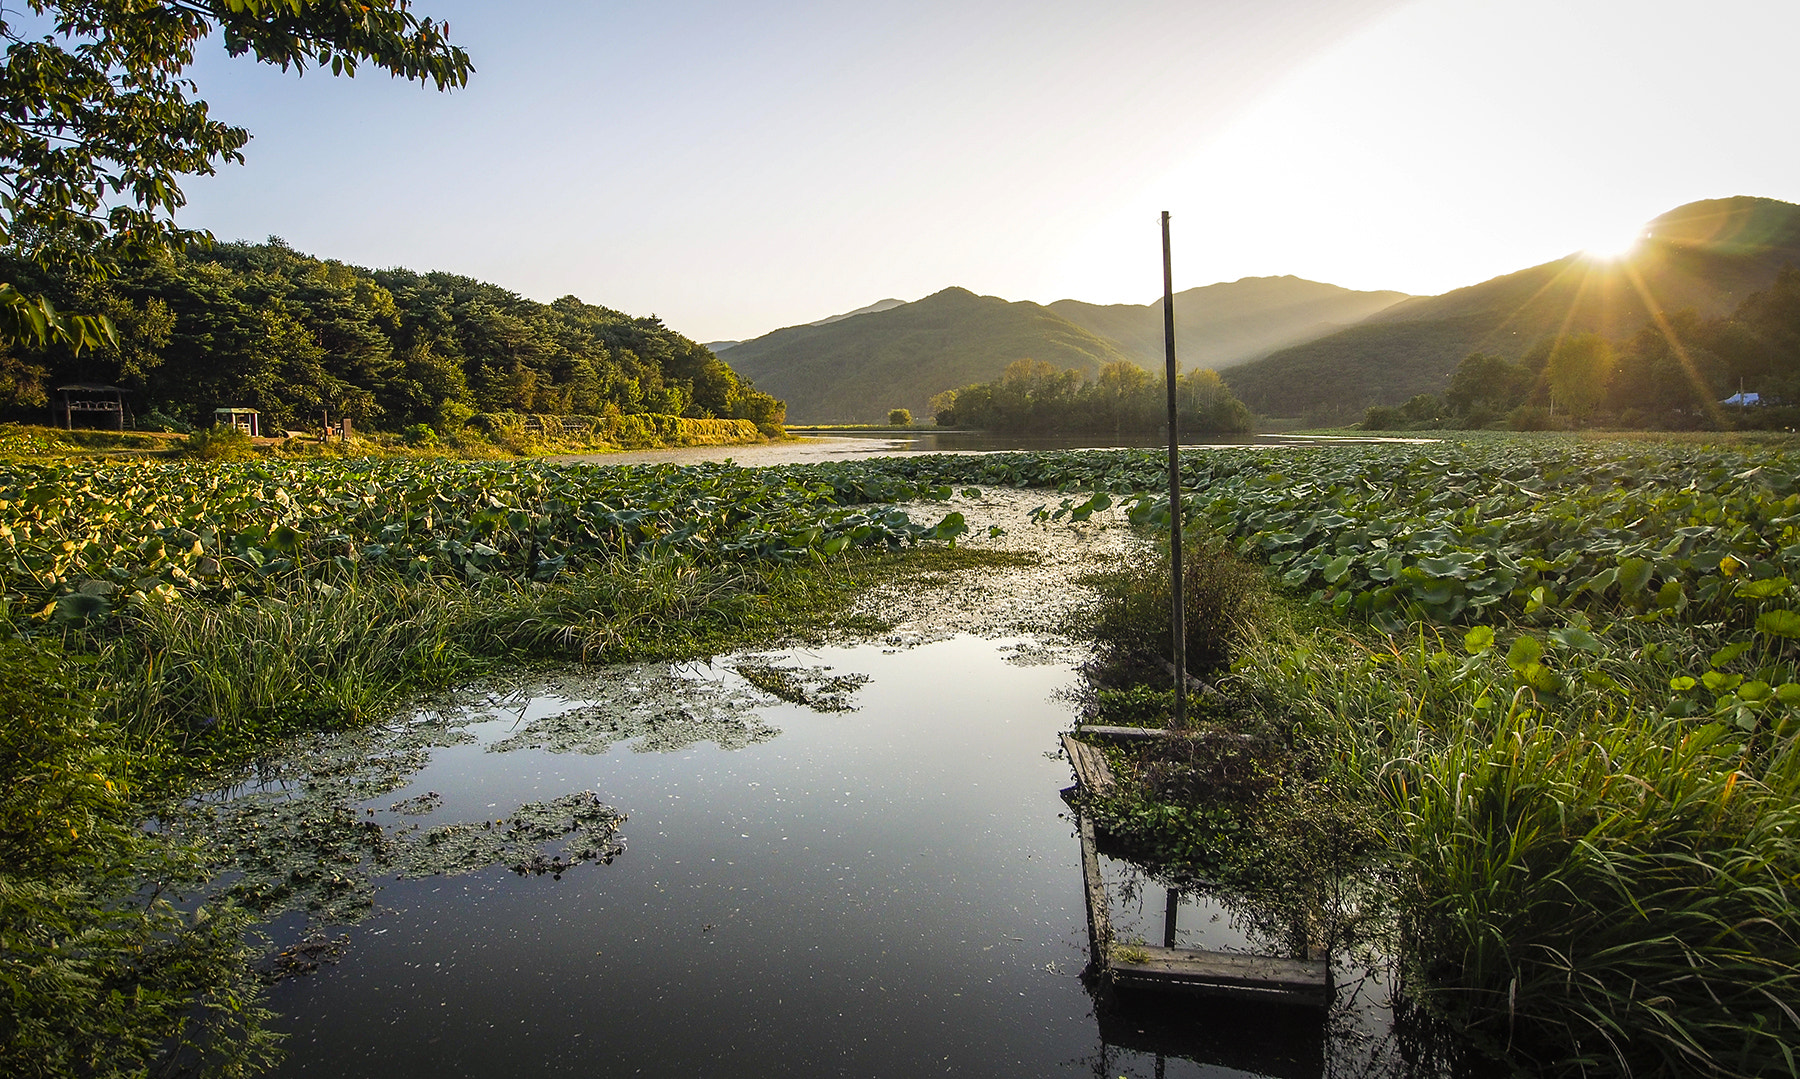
<point x="418" y="435"/>
<point x="900" y="417"/>
<point x="220" y="443"/>
<point x="1383" y="418"/>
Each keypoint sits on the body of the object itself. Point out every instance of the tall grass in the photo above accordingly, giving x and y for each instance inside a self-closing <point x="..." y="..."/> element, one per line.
<point x="1585" y="882"/>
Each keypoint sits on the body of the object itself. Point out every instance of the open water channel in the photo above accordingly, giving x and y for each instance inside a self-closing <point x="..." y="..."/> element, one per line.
<point x="870" y="874"/>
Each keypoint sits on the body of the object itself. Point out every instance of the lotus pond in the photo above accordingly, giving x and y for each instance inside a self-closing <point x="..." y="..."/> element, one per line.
<point x="1558" y="677"/>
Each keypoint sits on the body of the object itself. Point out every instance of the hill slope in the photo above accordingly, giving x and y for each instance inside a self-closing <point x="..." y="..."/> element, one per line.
<point x="1229" y="323"/>
<point x="853" y="370"/>
<point x="1706" y="255"/>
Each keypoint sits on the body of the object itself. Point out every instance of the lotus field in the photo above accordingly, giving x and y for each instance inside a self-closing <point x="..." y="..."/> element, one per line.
<point x="78" y="540"/>
<point x="1557" y="678"/>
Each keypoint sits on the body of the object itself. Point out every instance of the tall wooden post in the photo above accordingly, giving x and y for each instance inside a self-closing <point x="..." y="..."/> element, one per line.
<point x="1178" y="618"/>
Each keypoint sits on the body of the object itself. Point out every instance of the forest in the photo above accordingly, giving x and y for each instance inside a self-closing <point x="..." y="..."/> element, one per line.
<point x="1033" y="397"/>
<point x="299" y="338"/>
<point x="1680" y="372"/>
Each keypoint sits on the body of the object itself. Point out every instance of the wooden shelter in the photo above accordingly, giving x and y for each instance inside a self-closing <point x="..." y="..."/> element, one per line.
<point x="246" y="420"/>
<point x="98" y="405"/>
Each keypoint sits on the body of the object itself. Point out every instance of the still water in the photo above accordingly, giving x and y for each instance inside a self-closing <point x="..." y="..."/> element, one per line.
<point x="890" y="890"/>
<point x="816" y="447"/>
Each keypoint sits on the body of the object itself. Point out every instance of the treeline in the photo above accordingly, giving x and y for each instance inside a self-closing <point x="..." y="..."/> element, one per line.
<point x="1032" y="397"/>
<point x="263" y="326"/>
<point x="1682" y="373"/>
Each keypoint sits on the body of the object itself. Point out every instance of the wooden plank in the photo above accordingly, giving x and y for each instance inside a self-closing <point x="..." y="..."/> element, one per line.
<point x="1099" y="914"/>
<point x="1151" y="734"/>
<point x="1090" y="765"/>
<point x="1253" y="977"/>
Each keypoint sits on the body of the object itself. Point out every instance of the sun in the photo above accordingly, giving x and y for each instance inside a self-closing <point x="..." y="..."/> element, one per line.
<point x="1613" y="245"/>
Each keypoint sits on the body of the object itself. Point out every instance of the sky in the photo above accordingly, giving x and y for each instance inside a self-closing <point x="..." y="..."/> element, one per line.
<point x="733" y="168"/>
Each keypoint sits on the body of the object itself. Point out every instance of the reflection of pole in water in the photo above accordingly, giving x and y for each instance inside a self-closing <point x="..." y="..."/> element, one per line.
<point x="1170" y="907"/>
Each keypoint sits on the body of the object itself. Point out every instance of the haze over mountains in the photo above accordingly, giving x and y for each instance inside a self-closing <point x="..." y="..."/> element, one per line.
<point x="1287" y="346"/>
<point x="853" y="368"/>
<point x="1708" y="256"/>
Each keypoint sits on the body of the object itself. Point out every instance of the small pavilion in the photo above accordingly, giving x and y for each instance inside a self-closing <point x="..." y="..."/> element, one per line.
<point x="98" y="405"/>
<point x="244" y="419"/>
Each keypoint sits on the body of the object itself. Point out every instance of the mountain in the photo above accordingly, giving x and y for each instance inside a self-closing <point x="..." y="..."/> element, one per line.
<point x="879" y="305"/>
<point x="1229" y="323"/>
<point x="1706" y="255"/>
<point x="854" y="369"/>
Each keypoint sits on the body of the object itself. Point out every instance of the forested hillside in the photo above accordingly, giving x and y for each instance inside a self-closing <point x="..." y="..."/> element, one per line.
<point x="853" y="370"/>
<point x="1706" y="257"/>
<point x="263" y="326"/>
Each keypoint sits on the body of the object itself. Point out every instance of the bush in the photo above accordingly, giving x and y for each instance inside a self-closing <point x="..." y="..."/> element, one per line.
<point x="1383" y="418"/>
<point x="418" y="436"/>
<point x="157" y="420"/>
<point x="220" y="443"/>
<point x="900" y="417"/>
<point x="1529" y="418"/>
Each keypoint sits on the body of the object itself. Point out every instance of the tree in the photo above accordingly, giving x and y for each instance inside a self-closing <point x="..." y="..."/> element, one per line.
<point x="1579" y="369"/>
<point x="98" y="123"/>
<point x="899" y="417"/>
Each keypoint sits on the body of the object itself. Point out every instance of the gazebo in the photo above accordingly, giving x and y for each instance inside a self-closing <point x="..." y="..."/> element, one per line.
<point x="244" y="419"/>
<point x="105" y="404"/>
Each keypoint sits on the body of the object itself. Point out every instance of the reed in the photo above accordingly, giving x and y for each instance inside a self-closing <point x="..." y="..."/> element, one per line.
<point x="1585" y="882"/>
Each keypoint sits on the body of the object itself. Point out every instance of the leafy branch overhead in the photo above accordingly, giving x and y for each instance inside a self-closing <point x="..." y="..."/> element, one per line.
<point x="98" y="121"/>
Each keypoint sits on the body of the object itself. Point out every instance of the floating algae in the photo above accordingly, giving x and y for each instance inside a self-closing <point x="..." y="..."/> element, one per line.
<point x="810" y="686"/>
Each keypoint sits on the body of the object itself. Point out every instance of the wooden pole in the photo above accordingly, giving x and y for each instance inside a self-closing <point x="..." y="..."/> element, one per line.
<point x="1178" y="618"/>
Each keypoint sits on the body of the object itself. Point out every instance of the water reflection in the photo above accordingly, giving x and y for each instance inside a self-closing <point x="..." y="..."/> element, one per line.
<point x="892" y="890"/>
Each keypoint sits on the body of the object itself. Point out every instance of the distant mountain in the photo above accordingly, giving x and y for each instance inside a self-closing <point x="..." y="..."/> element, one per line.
<point x="879" y="305"/>
<point x="1229" y="323"/>
<point x="854" y="369"/>
<point x="1706" y="255"/>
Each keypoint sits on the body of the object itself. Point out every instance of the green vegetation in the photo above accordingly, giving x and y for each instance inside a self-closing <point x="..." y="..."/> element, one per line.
<point x="899" y="417"/>
<point x="1032" y="396"/>
<point x="262" y="326"/>
<point x="98" y="108"/>
<point x="1525" y="713"/>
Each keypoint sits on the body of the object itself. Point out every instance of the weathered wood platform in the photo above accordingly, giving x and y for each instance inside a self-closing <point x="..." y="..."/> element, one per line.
<point x="1226" y="974"/>
<point x="1091" y="769"/>
<point x="1223" y="974"/>
<point x="1154" y="734"/>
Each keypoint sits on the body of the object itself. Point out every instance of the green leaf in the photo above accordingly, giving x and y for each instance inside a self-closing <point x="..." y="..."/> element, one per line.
<point x="1634" y="576"/>
<point x="1475" y="642"/>
<point x="1779" y="623"/>
<point x="1525" y="651"/>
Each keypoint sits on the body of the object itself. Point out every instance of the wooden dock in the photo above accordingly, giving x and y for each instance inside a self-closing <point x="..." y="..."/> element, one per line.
<point x="1143" y="966"/>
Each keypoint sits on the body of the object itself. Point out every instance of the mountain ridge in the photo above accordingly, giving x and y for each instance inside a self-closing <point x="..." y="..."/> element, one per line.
<point x="1707" y="255"/>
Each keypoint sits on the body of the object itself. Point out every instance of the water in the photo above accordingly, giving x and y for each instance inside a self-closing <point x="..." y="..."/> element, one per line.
<point x="817" y="447"/>
<point x="889" y="891"/>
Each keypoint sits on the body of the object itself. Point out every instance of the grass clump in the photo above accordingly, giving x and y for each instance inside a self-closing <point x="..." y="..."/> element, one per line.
<point x="221" y="442"/>
<point x="1584" y="878"/>
<point x="100" y="973"/>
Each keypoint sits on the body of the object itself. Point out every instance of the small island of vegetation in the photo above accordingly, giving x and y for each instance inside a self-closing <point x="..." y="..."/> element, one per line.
<point x="1034" y="397"/>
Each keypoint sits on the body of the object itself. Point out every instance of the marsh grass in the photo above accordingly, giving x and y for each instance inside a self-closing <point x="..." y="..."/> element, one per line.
<point x="1582" y="882"/>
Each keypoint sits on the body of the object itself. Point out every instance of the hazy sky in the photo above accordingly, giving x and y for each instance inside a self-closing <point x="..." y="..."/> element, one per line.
<point x="738" y="167"/>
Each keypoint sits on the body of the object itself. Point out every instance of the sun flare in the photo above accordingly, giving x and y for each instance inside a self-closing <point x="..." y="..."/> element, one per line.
<point x="1610" y="247"/>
